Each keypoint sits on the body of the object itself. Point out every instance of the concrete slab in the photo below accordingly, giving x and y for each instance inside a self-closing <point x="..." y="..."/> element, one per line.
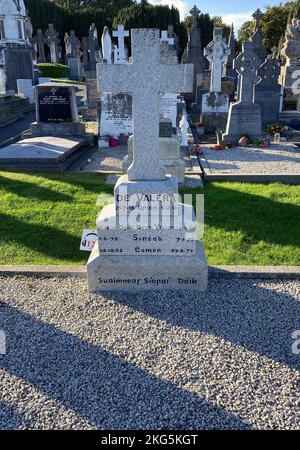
<point x="42" y="153"/>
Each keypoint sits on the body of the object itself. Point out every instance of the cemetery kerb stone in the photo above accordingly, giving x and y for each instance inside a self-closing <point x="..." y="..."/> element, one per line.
<point x="244" y="117"/>
<point x="130" y="256"/>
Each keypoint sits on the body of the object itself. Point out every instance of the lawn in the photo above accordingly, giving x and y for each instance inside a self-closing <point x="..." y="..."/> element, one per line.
<point x="42" y="217"/>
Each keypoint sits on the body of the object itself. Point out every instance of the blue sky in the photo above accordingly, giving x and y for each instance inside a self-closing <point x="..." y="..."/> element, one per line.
<point x="236" y="11"/>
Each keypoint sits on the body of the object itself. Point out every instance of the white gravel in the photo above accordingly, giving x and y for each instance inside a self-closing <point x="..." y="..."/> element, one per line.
<point x="283" y="159"/>
<point x="220" y="360"/>
<point x="106" y="160"/>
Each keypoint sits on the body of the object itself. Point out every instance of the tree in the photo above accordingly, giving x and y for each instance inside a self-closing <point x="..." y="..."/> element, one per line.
<point x="273" y="25"/>
<point x="218" y="23"/>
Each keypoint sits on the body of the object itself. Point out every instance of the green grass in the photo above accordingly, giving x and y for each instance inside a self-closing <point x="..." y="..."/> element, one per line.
<point x="67" y="81"/>
<point x="54" y="70"/>
<point x="42" y="217"/>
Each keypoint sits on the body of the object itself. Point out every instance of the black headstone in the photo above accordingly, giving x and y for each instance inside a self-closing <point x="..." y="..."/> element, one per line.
<point x="54" y="104"/>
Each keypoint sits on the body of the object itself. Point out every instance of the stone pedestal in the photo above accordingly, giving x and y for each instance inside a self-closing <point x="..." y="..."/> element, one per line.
<point x="215" y="107"/>
<point x="243" y="118"/>
<point x="169" y="153"/>
<point x="147" y="241"/>
<point x="75" y="69"/>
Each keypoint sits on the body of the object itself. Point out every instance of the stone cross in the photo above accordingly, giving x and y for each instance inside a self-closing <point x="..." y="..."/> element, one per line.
<point x="53" y="41"/>
<point x="92" y="42"/>
<point x="247" y="64"/>
<point x="121" y="34"/>
<point x="85" y="52"/>
<point x="269" y="72"/>
<point x="257" y="15"/>
<point x="195" y="14"/>
<point x="146" y="79"/>
<point x="165" y="38"/>
<point x="216" y="52"/>
<point x="75" y="45"/>
<point x="40" y="41"/>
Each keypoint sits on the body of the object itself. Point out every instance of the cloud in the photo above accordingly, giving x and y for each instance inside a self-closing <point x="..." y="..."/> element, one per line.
<point x="236" y="18"/>
<point x="181" y="5"/>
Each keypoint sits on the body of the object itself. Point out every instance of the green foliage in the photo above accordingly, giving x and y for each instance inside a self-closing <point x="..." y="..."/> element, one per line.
<point x="206" y="24"/>
<point x="218" y="23"/>
<point x="66" y="18"/>
<point x="273" y="25"/>
<point x="52" y="70"/>
<point x="144" y="15"/>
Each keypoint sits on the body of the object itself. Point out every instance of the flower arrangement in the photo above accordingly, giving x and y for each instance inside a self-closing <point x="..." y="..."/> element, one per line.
<point x="197" y="150"/>
<point x="274" y="129"/>
<point x="218" y="147"/>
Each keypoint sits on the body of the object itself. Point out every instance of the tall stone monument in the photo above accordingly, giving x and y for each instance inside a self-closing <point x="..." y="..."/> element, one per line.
<point x="268" y="91"/>
<point x="74" y="57"/>
<point x="215" y="104"/>
<point x="53" y="42"/>
<point x="16" y="51"/>
<point x="245" y="116"/>
<point x="290" y="74"/>
<point x="193" y="53"/>
<point x="228" y="70"/>
<point x="93" y="47"/>
<point x="40" y="41"/>
<point x="136" y="250"/>
<point x="257" y="38"/>
<point x="107" y="48"/>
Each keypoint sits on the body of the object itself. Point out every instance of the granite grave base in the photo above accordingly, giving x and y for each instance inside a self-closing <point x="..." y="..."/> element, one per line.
<point x="57" y="129"/>
<point x="48" y="153"/>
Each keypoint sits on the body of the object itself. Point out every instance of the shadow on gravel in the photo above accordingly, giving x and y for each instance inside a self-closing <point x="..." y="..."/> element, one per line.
<point x="102" y="388"/>
<point x="10" y="418"/>
<point x="258" y="319"/>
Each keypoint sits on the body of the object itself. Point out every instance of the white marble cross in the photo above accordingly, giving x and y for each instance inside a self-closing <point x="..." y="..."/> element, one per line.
<point x="165" y="38"/>
<point x="121" y="34"/>
<point x="216" y="52"/>
<point x="146" y="79"/>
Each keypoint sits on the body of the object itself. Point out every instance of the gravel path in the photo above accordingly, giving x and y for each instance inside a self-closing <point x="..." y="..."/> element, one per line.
<point x="106" y="160"/>
<point x="281" y="159"/>
<point x="220" y="360"/>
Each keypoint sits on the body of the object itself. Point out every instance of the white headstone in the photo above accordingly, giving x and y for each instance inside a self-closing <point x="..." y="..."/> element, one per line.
<point x="184" y="126"/>
<point x="106" y="43"/>
<point x="26" y="89"/>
